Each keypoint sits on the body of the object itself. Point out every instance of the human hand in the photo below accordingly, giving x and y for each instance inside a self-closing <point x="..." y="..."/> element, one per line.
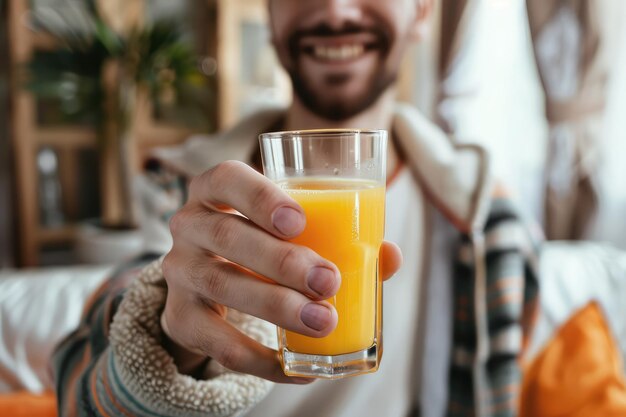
<point x="221" y="260"/>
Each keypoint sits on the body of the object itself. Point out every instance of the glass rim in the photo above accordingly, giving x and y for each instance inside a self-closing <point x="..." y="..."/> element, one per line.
<point x="318" y="133"/>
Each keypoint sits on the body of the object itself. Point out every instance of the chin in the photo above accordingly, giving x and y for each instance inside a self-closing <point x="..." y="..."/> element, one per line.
<point x="336" y="110"/>
<point x="338" y="101"/>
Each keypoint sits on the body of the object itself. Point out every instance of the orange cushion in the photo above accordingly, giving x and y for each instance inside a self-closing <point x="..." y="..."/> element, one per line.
<point x="578" y="374"/>
<point x="23" y="404"/>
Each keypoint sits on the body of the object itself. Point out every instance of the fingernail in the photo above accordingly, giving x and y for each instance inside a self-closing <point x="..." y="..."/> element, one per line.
<point x="288" y="221"/>
<point x="321" y="280"/>
<point x="316" y="316"/>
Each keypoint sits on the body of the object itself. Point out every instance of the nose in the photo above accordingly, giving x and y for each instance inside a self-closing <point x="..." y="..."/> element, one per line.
<point x="338" y="12"/>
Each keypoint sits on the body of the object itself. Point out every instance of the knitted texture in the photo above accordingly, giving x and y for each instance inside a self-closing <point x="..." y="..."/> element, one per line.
<point x="148" y="372"/>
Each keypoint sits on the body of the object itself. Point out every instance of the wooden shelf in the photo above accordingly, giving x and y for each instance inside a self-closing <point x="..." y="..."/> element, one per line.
<point x="66" y="137"/>
<point x="61" y="234"/>
<point x="85" y="137"/>
<point x="44" y="42"/>
<point x="161" y="135"/>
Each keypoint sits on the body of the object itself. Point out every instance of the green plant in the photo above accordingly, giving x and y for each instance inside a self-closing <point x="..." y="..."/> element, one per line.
<point x="154" y="56"/>
<point x="151" y="57"/>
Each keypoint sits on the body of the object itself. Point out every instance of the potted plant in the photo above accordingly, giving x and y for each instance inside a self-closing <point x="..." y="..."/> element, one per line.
<point x="109" y="70"/>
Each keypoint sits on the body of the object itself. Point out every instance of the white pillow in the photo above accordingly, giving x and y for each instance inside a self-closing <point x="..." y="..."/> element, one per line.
<point x="572" y="275"/>
<point x="37" y="309"/>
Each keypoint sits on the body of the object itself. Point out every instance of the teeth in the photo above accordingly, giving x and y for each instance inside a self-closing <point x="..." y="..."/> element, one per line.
<point x="339" y="53"/>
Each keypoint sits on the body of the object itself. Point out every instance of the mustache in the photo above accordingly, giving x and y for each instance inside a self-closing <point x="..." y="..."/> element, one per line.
<point x="324" y="29"/>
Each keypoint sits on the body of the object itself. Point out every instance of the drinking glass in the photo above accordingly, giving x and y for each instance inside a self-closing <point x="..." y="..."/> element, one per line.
<point x="338" y="178"/>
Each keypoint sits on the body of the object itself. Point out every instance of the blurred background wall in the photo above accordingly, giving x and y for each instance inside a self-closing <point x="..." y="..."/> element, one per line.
<point x="476" y="75"/>
<point x="493" y="95"/>
<point x="205" y="64"/>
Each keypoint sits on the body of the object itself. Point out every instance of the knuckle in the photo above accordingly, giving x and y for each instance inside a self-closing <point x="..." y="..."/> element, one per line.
<point x="175" y="223"/>
<point x="262" y="196"/>
<point x="287" y="257"/>
<point x="200" y="341"/>
<point x="196" y="184"/>
<point x="214" y="281"/>
<point x="178" y="222"/>
<point x="222" y="173"/>
<point x="229" y="356"/>
<point x="222" y="230"/>
<point x="232" y="165"/>
<point x="194" y="271"/>
<point x="278" y="301"/>
<point x="168" y="267"/>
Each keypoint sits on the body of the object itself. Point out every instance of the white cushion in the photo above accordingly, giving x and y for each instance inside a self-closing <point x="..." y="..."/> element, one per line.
<point x="37" y="309"/>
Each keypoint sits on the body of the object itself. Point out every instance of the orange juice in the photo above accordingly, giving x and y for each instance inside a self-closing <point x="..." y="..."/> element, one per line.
<point x="344" y="224"/>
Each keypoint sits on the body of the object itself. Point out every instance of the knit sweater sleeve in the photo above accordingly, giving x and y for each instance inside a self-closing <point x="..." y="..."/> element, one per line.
<point x="114" y="363"/>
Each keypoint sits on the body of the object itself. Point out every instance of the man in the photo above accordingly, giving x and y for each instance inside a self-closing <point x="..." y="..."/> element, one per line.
<point x="343" y="58"/>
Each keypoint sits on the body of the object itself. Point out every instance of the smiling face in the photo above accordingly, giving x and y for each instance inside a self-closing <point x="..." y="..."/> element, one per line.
<point x="342" y="55"/>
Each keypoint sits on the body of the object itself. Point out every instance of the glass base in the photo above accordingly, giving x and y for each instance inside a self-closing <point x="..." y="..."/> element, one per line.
<point x="330" y="367"/>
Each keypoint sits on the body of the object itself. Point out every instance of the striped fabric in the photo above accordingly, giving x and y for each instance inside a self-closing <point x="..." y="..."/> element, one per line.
<point x="80" y="366"/>
<point x="493" y="314"/>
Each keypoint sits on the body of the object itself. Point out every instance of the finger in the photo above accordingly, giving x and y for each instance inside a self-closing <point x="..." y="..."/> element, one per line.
<point x="390" y="259"/>
<point x="237" y="239"/>
<point x="207" y="332"/>
<point x="222" y="282"/>
<point x="236" y="185"/>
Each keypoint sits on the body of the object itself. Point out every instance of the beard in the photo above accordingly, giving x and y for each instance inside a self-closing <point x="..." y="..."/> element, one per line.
<point x="339" y="96"/>
<point x="338" y="107"/>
